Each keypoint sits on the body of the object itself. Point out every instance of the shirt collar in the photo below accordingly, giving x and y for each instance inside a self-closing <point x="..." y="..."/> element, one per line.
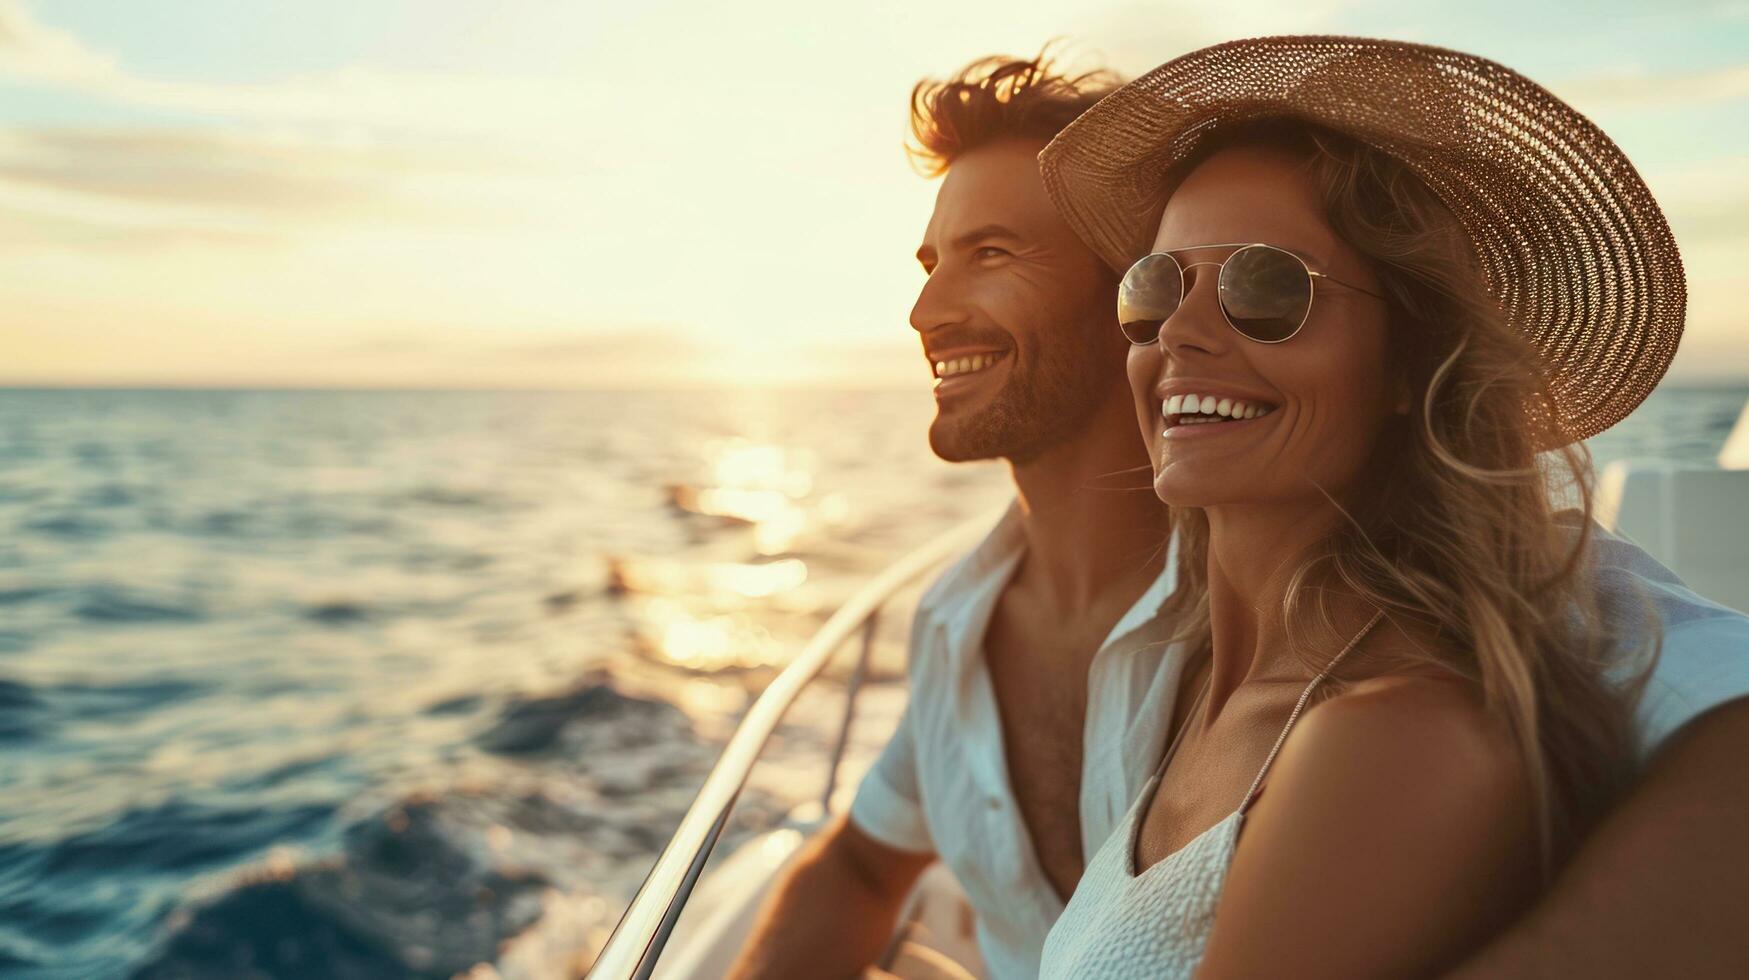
<point x="1147" y="608"/>
<point x="963" y="599"/>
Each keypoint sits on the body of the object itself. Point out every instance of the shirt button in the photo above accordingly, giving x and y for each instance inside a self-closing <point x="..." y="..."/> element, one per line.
<point x="995" y="803"/>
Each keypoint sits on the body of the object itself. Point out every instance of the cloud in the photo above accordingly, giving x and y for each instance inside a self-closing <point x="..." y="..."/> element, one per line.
<point x="1731" y="11"/>
<point x="1707" y="201"/>
<point x="271" y="161"/>
<point x="453" y="106"/>
<point x="651" y="355"/>
<point x="33" y="51"/>
<point x="1642" y="90"/>
<point x="347" y="99"/>
<point x="215" y="169"/>
<point x="611" y="349"/>
<point x="126" y="186"/>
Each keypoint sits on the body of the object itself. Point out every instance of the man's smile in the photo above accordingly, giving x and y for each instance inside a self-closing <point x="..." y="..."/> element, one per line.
<point x="960" y="370"/>
<point x="967" y="364"/>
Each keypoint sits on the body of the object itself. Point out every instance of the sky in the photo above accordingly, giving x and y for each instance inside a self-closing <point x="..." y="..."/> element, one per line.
<point x="558" y="193"/>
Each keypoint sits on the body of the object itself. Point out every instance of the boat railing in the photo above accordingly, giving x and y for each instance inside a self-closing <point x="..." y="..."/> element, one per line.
<point x="638" y="940"/>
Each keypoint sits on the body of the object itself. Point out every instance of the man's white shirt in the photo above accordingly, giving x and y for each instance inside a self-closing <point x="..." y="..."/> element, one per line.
<point x="941" y="785"/>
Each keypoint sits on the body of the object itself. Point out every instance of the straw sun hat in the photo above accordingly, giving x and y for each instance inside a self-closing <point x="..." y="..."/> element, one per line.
<point x="1569" y="239"/>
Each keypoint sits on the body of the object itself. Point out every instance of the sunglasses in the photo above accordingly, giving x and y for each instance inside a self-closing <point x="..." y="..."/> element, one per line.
<point x="1265" y="293"/>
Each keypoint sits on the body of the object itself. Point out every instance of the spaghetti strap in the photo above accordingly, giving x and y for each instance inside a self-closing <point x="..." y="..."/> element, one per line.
<point x="1257" y="784"/>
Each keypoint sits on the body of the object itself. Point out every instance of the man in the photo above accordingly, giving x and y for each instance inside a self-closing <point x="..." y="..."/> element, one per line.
<point x="1042" y="683"/>
<point x="1022" y="640"/>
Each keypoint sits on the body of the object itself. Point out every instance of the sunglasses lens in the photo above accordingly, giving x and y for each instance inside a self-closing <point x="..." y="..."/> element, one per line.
<point x="1150" y="292"/>
<point x="1265" y="292"/>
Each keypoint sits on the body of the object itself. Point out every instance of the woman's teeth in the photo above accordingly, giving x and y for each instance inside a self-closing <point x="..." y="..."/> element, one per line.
<point x="965" y="365"/>
<point x="1203" y="409"/>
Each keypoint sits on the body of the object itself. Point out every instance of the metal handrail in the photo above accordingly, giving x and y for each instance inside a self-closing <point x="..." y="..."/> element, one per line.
<point x="643" y="931"/>
<point x="870" y="627"/>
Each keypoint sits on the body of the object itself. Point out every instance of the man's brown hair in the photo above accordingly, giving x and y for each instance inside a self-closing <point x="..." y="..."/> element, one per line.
<point x="997" y="98"/>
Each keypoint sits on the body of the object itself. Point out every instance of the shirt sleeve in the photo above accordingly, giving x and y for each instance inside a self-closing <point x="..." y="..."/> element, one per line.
<point x="888" y="804"/>
<point x="1704" y="663"/>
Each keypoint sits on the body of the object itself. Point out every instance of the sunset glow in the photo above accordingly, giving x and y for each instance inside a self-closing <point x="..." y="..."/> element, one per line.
<point x="567" y="195"/>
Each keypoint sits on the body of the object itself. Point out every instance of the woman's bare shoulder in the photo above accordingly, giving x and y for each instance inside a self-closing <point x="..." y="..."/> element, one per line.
<point x="1401" y="767"/>
<point x="1400" y="803"/>
<point x="1429" y="729"/>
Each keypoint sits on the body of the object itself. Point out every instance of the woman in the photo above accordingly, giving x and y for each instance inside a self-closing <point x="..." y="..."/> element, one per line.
<point x="1384" y="279"/>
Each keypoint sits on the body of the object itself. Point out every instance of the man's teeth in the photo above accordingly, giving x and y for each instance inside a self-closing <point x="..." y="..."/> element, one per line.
<point x="1194" y="409"/>
<point x="965" y="365"/>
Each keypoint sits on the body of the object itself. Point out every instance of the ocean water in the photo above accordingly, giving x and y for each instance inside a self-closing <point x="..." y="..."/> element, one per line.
<point x="342" y="684"/>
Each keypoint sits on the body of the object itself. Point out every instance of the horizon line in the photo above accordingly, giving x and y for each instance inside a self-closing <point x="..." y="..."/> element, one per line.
<point x="821" y="385"/>
<point x="1695" y="381"/>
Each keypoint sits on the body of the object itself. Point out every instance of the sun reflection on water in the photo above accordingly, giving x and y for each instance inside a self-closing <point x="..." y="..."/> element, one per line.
<point x="707" y="643"/>
<point x="741" y="463"/>
<point x="763" y="485"/>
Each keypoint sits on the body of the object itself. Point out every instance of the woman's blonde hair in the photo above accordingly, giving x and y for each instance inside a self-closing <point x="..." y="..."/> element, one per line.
<point x="1454" y="526"/>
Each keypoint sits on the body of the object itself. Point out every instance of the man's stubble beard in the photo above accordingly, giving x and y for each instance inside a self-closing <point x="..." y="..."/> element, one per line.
<point x="1051" y="401"/>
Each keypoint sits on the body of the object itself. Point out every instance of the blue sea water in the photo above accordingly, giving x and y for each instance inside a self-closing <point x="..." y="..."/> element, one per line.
<point x="365" y="684"/>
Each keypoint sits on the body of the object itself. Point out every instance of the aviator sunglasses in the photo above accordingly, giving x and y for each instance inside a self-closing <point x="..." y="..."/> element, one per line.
<point x="1265" y="292"/>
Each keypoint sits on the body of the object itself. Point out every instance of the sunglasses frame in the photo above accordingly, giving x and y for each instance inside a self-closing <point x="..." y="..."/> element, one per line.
<point x="1312" y="276"/>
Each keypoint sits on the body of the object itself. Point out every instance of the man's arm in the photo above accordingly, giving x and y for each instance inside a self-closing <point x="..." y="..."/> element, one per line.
<point x="834" y="909"/>
<point x="1662" y="887"/>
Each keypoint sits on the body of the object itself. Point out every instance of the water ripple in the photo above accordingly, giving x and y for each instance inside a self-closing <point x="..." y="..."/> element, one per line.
<point x="180" y="836"/>
<point x="123" y="606"/>
<point x="310" y="684"/>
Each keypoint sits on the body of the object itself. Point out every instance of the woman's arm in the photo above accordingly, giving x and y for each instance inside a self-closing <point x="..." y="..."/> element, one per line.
<point x="1395" y="836"/>
<point x="1662" y="887"/>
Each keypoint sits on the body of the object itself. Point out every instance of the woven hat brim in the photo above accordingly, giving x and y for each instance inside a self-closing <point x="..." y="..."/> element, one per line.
<point x="1570" y="241"/>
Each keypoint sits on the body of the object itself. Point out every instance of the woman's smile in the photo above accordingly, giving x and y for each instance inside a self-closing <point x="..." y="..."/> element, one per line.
<point x="1196" y="416"/>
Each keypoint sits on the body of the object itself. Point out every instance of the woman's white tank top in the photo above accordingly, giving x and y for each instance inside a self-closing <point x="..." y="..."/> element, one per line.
<point x="1120" y="924"/>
